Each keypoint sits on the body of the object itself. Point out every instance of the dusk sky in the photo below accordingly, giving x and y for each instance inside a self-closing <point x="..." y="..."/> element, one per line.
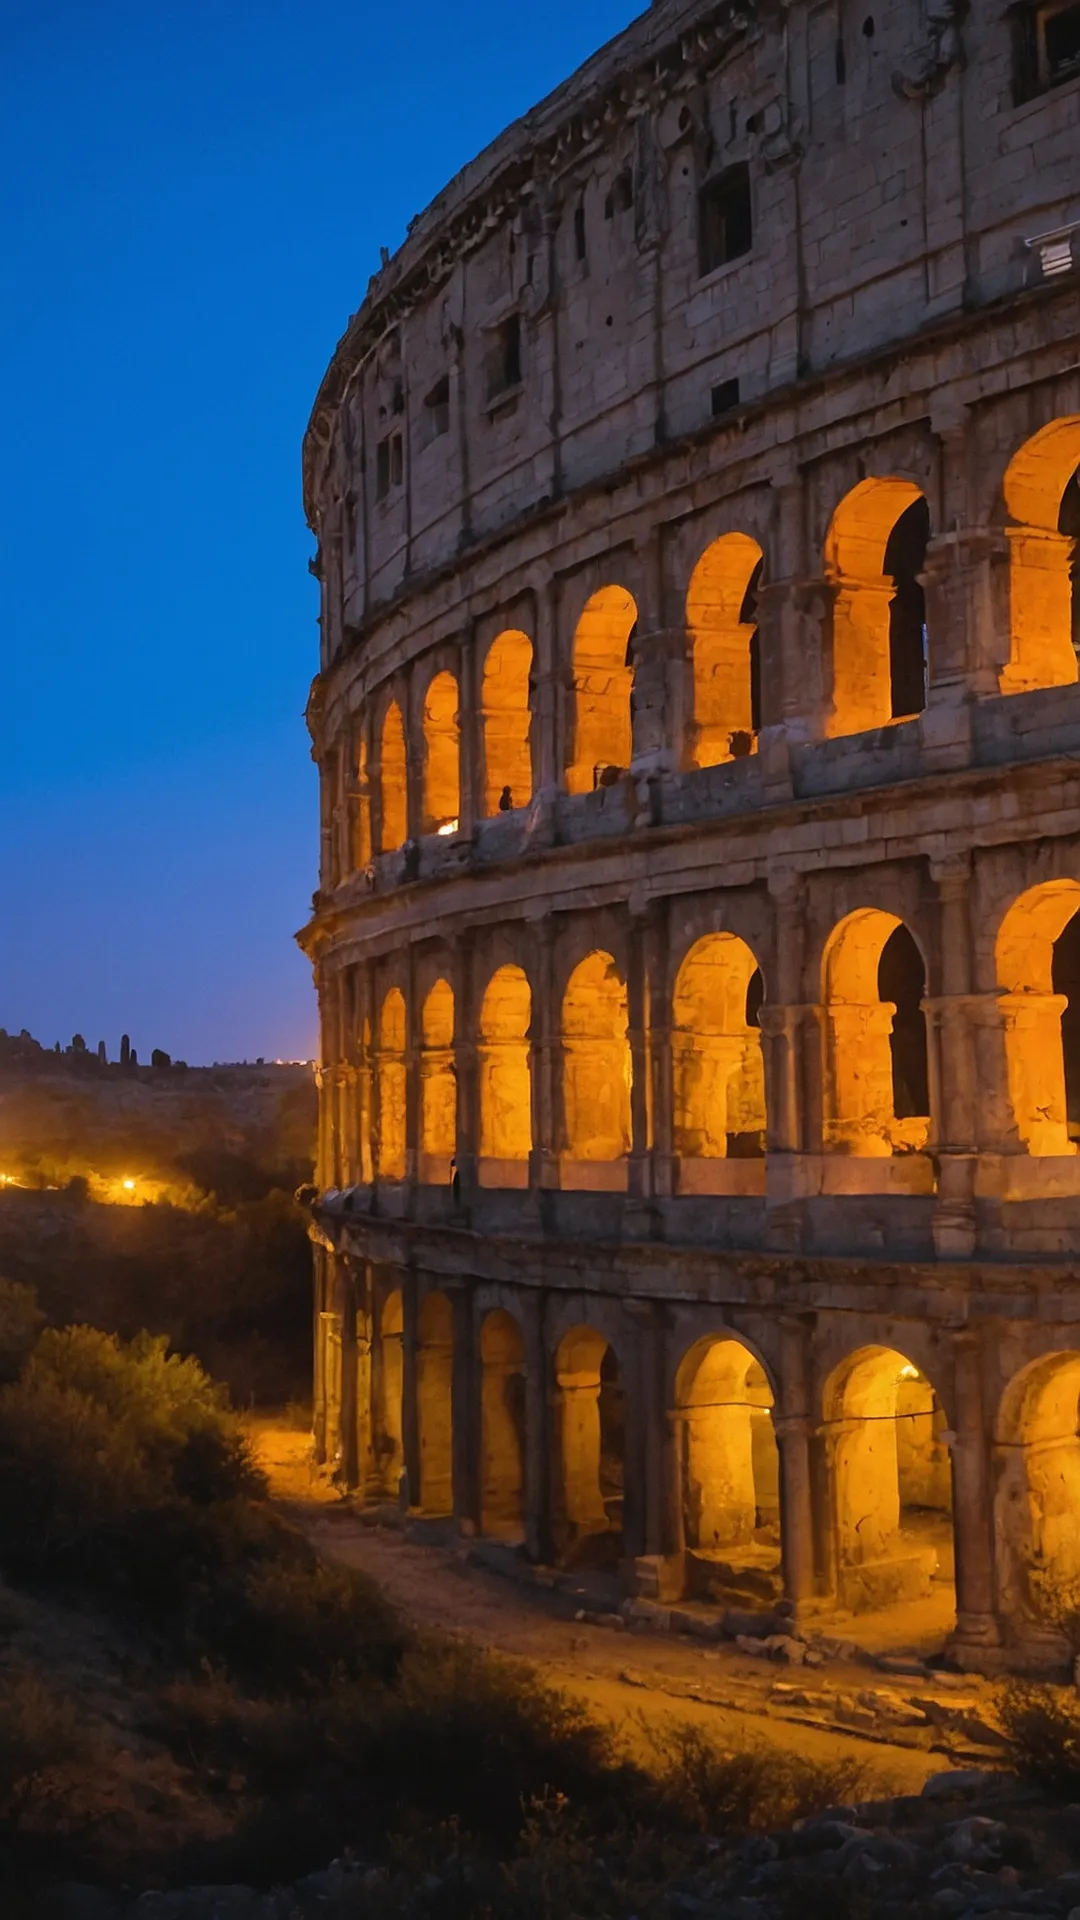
<point x="196" y="195"/>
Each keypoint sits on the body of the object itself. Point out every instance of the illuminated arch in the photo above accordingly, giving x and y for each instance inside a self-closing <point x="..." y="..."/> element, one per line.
<point x="438" y="1083"/>
<point x="391" y="1081"/>
<point x="876" y="1094"/>
<point x="442" y="778"/>
<point x="393" y="782"/>
<point x="890" y="1480"/>
<point x="721" y="626"/>
<point x="505" y="1079"/>
<point x="731" y="1471"/>
<point x="361" y="848"/>
<point x="434" y="1375"/>
<point x="1024" y="955"/>
<point x="874" y="550"/>
<point x="590" y="1418"/>
<point x="596" y="1061"/>
<point x="507" y="720"/>
<point x="502" y="1422"/>
<point x="716" y="1052"/>
<point x="1038" y="1487"/>
<point x="1043" y="499"/>
<point x="602" y="682"/>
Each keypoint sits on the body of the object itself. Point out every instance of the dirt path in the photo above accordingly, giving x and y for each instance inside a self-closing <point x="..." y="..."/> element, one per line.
<point x="632" y="1680"/>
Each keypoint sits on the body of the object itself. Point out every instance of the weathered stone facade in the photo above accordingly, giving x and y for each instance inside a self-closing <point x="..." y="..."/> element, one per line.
<point x="698" y="723"/>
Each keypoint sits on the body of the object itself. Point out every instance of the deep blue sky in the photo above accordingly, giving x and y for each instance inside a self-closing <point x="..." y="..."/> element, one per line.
<point x="195" y="193"/>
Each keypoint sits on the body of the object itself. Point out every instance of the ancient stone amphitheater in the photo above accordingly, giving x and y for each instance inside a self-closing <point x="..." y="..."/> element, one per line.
<point x="698" y="729"/>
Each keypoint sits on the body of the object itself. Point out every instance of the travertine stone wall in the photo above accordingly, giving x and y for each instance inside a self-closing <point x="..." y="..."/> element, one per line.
<point x="697" y="721"/>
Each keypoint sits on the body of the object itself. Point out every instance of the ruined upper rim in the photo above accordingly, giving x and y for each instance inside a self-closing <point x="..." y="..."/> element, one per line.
<point x="525" y="161"/>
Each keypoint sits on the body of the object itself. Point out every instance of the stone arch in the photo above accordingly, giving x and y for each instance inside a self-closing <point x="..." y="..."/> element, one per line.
<point x="602" y="678"/>
<point x="438" y="1083"/>
<point x="502" y="1423"/>
<point x="1038" y="970"/>
<point x="434" y="1382"/>
<point x="875" y="551"/>
<point x="890" y="1481"/>
<point x="596" y="1062"/>
<point x="388" y="1424"/>
<point x="730" y="1466"/>
<point x="442" y="776"/>
<point x="507" y="721"/>
<point x="391" y="1083"/>
<point x="1042" y="496"/>
<point x="361" y="825"/>
<point x="393" y="782"/>
<point x="590" y="1427"/>
<point x="505" y="1079"/>
<point x="876" y="1073"/>
<point x="719" y="1105"/>
<point x="721" y="624"/>
<point x="1038" y="1490"/>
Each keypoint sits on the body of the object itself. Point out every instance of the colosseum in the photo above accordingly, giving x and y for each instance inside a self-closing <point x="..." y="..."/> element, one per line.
<point x="697" y="938"/>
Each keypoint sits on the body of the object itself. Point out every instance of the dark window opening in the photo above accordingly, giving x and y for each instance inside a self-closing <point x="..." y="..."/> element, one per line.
<point x="389" y="464"/>
<point x="504" y="360"/>
<point x="841" y="64"/>
<point x="868" y="27"/>
<point x="397" y="404"/>
<point x="621" y="197"/>
<point x="725" y="226"/>
<point x="1069" y="522"/>
<point x="902" y="979"/>
<point x="579" y="233"/>
<point x="437" y="409"/>
<point x="755" y="995"/>
<point x="724" y="397"/>
<point x="1065" y="978"/>
<point x="905" y="557"/>
<point x="1046" y="47"/>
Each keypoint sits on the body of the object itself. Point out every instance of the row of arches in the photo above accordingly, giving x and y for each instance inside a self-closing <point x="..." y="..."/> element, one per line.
<point x="881" y="1444"/>
<point x="874" y="567"/>
<point x="876" y="1055"/>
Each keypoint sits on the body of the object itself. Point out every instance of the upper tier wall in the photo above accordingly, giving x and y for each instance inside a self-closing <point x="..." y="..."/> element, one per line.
<point x="719" y="204"/>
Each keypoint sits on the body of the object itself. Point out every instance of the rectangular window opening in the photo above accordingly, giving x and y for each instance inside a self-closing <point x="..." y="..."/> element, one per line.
<point x="437" y="410"/>
<point x="579" y="233"/>
<point x="724" y="397"/>
<point x="504" y="358"/>
<point x="725" y="225"/>
<point x="389" y="464"/>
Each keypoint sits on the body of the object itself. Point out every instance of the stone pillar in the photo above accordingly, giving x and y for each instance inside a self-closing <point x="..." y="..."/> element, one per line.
<point x="467" y="999"/>
<point x="537" y="1492"/>
<point x="414" y="1047"/>
<point x="350" y="1437"/>
<point x="320" y="1263"/>
<point x="792" y="1424"/>
<point x="410" y="1419"/>
<point x="674" y="1488"/>
<point x="465" y="1413"/>
<point x="412" y="713"/>
<point x="956" y="1090"/>
<point x="470" y="758"/>
<point x="788" y="1031"/>
<point x="652" y="747"/>
<point x="548" y="670"/>
<point x="639" y="1168"/>
<point x="545" y="1057"/>
<point x="973" y="1520"/>
<point x="661" y="1083"/>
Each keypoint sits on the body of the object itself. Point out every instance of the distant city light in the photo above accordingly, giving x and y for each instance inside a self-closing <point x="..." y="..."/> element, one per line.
<point x="128" y="1186"/>
<point x="448" y="826"/>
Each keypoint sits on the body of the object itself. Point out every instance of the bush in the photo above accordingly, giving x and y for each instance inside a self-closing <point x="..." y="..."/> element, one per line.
<point x="1042" y="1726"/>
<point x="721" y="1790"/>
<point x="40" y="1739"/>
<point x="20" y="1324"/>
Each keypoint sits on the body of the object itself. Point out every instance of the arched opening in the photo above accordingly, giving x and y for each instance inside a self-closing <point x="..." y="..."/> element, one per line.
<point x="603" y="677"/>
<point x="388" y="1378"/>
<point x="438" y="1085"/>
<point x="719" y="1108"/>
<point x="1038" y="1498"/>
<point x="507" y="719"/>
<point x="502" y="1419"/>
<point x="393" y="784"/>
<point x="1042" y="496"/>
<point x="596" y="1063"/>
<point x="391" y="1081"/>
<point x="1037" y="955"/>
<point x="876" y="1080"/>
<point x="721" y="620"/>
<point x="730" y="1473"/>
<point x="505" y="1080"/>
<point x="442" y="789"/>
<point x="890" y="1479"/>
<point x="592" y="1448"/>
<point x="434" y="1374"/>
<point x="875" y="551"/>
<point x="363" y="1097"/>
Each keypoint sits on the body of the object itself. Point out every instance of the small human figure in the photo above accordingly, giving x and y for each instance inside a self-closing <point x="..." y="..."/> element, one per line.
<point x="506" y="801"/>
<point x="455" y="1183"/>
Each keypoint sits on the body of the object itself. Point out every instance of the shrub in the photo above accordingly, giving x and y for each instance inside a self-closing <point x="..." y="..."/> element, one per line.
<point x="1042" y="1726"/>
<point x="720" y="1790"/>
<point x="20" y="1323"/>
<point x="40" y="1738"/>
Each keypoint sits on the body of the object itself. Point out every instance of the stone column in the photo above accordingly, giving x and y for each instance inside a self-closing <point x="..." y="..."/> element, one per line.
<point x="537" y="1491"/>
<point x="410" y="1413"/>
<point x="545" y="1057"/>
<point x="470" y="759"/>
<point x="414" y="1048"/>
<point x="956" y="1088"/>
<point x="788" y="1031"/>
<point x="467" y="999"/>
<point x="792" y="1424"/>
<point x="350" y="1438"/>
<point x="652" y="747"/>
<point x="639" y="1168"/>
<point x="973" y="1521"/>
<point x="320" y="1263"/>
<point x="674" y="1492"/>
<point x="547" y="729"/>
<point x="661" y="1083"/>
<point x="465" y="1413"/>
